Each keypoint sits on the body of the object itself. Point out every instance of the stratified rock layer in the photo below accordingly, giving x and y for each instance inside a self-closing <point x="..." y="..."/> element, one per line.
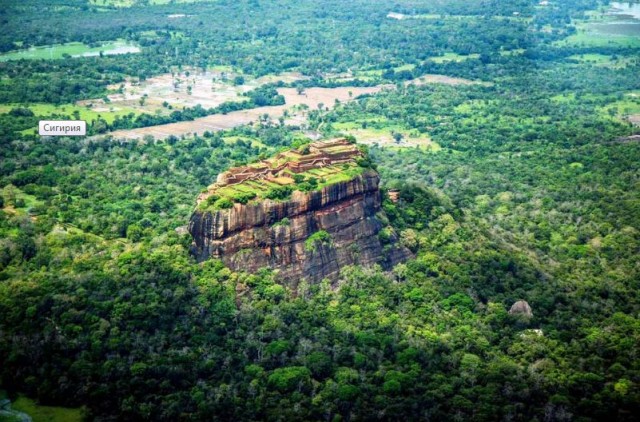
<point x="252" y="236"/>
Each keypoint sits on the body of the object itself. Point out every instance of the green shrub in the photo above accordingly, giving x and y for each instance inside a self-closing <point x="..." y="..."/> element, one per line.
<point x="243" y="198"/>
<point x="305" y="187"/>
<point x="284" y="222"/>
<point x="279" y="193"/>
<point x="304" y="149"/>
<point x="208" y="203"/>
<point x="364" y="162"/>
<point x="289" y="378"/>
<point x="385" y="235"/>
<point x="254" y="371"/>
<point x="277" y="347"/>
<point x="320" y="364"/>
<point x="274" y="292"/>
<point x="319" y="236"/>
<point x="223" y="203"/>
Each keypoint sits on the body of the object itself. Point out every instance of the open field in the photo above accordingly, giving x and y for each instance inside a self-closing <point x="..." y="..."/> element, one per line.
<point x="385" y="137"/>
<point x="453" y="57"/>
<point x="312" y="98"/>
<point x="296" y="106"/>
<point x="442" y="79"/>
<point x="108" y="113"/>
<point x="515" y="52"/>
<point x="365" y="75"/>
<point x="435" y="16"/>
<point x="46" y="413"/>
<point x="87" y="113"/>
<point x="627" y="109"/>
<point x="617" y="26"/>
<point x="233" y="139"/>
<point x="73" y="49"/>
<point x="588" y="37"/>
<point x="113" y="3"/>
<point x="21" y="203"/>
<point x="187" y="88"/>
<point x="602" y="60"/>
<point x="129" y="3"/>
<point x="376" y="74"/>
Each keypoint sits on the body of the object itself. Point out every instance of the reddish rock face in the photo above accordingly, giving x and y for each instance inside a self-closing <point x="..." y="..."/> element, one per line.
<point x="249" y="237"/>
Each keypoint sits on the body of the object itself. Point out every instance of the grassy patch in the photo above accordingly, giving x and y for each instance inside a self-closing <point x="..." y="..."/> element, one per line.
<point x="470" y="106"/>
<point x="373" y="73"/>
<point x="453" y="57"/>
<point x="129" y="3"/>
<point x="404" y="67"/>
<point x="84" y="113"/>
<point x="233" y="139"/>
<point x="591" y="35"/>
<point x="112" y="3"/>
<point x="59" y="51"/>
<point x="342" y="175"/>
<point x="515" y="52"/>
<point x="620" y="110"/>
<point x="46" y="413"/>
<point x="382" y="134"/>
<point x="20" y="202"/>
<point x="222" y="68"/>
<point x="613" y="62"/>
<point x="592" y="58"/>
<point x="571" y="97"/>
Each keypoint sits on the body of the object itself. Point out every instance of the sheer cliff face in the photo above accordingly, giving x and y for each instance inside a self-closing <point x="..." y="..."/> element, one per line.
<point x="249" y="237"/>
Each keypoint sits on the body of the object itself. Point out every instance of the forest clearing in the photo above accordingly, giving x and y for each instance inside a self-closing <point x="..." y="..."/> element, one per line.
<point x="311" y="98"/>
<point x="296" y="105"/>
<point x="187" y="88"/>
<point x="72" y="49"/>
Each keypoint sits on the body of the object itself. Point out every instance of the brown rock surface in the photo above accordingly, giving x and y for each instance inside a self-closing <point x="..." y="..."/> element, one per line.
<point x="246" y="237"/>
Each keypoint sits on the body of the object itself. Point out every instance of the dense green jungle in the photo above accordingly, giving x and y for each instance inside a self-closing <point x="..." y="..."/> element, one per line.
<point x="523" y="183"/>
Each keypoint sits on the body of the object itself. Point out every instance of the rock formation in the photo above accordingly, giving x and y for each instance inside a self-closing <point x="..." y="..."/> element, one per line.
<point x="521" y="308"/>
<point x="311" y="235"/>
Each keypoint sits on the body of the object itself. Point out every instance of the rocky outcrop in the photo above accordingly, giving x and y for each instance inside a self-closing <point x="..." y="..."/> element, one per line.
<point x="279" y="234"/>
<point x="521" y="308"/>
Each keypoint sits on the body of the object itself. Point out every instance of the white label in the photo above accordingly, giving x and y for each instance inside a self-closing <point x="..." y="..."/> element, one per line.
<point x="62" y="128"/>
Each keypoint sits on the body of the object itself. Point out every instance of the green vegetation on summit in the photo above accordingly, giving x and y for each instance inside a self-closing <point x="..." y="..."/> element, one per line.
<point x="310" y="167"/>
